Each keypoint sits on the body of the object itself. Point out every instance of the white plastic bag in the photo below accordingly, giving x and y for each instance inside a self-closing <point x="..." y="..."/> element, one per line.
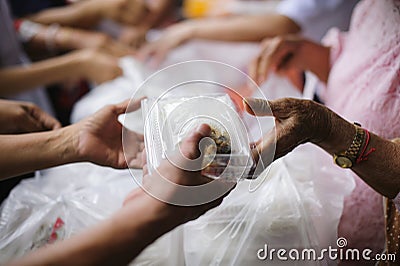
<point x="289" y="210"/>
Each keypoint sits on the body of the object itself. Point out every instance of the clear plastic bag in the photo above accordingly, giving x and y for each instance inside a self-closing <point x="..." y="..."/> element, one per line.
<point x="168" y="120"/>
<point x="62" y="202"/>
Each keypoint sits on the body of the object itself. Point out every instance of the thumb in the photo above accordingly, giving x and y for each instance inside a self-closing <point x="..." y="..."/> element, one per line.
<point x="190" y="145"/>
<point x="257" y="107"/>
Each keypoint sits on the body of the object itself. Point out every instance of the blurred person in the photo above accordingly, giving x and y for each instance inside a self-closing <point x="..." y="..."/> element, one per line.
<point x="310" y="18"/>
<point x="87" y="13"/>
<point x="361" y="69"/>
<point x="125" y="20"/>
<point x="18" y="78"/>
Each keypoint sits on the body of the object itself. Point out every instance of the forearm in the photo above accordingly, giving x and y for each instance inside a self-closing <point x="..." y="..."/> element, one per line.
<point x="116" y="241"/>
<point x="30" y="152"/>
<point x="158" y="14"/>
<point x="244" y="28"/>
<point x="317" y="59"/>
<point x="82" y="14"/>
<point x="381" y="170"/>
<point x="20" y="78"/>
<point x="65" y="39"/>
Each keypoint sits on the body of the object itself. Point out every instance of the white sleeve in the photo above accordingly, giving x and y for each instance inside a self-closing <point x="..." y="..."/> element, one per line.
<point x="315" y="17"/>
<point x="302" y="11"/>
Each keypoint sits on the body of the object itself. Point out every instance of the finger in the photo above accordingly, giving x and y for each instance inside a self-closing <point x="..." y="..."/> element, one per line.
<point x="128" y="105"/>
<point x="145" y="170"/>
<point x="144" y="159"/>
<point x="190" y="145"/>
<point x="29" y="124"/>
<point x="253" y="68"/>
<point x="265" y="66"/>
<point x="159" y="57"/>
<point x="257" y="107"/>
<point x="146" y="52"/>
<point x="47" y="121"/>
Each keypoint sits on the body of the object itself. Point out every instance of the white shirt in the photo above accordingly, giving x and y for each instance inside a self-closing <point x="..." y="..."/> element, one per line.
<point x="316" y="17"/>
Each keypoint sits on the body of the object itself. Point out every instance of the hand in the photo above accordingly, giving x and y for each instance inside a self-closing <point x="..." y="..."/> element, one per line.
<point x="98" y="138"/>
<point x="296" y="122"/>
<point x="83" y="39"/>
<point x="290" y="54"/>
<point x="170" y="184"/>
<point x="173" y="37"/>
<point x="130" y="12"/>
<point x="97" y="66"/>
<point x="134" y="37"/>
<point x="22" y="117"/>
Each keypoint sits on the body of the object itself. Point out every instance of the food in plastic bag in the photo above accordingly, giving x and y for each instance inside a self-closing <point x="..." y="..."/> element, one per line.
<point x="169" y="120"/>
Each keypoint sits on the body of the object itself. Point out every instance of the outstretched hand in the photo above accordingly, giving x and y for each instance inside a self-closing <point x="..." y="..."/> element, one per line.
<point x="98" y="138"/>
<point x="296" y="122"/>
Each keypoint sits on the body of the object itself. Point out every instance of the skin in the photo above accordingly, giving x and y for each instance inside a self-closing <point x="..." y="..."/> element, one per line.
<point x="139" y="222"/>
<point x="87" y="14"/>
<point x="135" y="36"/>
<point x="287" y="54"/>
<point x="238" y="28"/>
<point x="67" y="39"/>
<point x="97" y="139"/>
<point x="93" y="65"/>
<point x="23" y="117"/>
<point x="300" y="121"/>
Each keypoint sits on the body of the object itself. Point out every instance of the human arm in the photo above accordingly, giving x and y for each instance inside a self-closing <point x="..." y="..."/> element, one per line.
<point x="159" y="11"/>
<point x="236" y="28"/>
<point x="67" y="39"/>
<point x="97" y="139"/>
<point x="92" y="65"/>
<point x="300" y="121"/>
<point x="87" y="14"/>
<point x="284" y="54"/>
<point x="141" y="220"/>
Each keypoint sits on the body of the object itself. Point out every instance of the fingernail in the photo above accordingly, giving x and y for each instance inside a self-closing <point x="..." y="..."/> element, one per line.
<point x="247" y="105"/>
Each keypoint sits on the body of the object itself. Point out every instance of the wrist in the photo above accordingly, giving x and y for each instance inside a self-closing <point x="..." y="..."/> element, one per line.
<point x="80" y="62"/>
<point x="69" y="137"/>
<point x="339" y="134"/>
<point x="157" y="217"/>
<point x="316" y="59"/>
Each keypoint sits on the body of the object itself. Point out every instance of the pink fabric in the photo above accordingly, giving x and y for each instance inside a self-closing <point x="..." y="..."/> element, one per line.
<point x="364" y="86"/>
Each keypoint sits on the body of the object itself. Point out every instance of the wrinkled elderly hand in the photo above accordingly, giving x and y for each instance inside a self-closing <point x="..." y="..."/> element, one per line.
<point x="171" y="184"/>
<point x="290" y="54"/>
<point x="23" y="117"/>
<point x="130" y="12"/>
<point x="296" y="122"/>
<point x="98" y="138"/>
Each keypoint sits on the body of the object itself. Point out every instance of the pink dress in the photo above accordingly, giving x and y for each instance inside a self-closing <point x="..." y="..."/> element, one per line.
<point x="364" y="86"/>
